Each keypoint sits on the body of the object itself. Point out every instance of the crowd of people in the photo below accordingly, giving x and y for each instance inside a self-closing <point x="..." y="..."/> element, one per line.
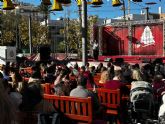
<point x="18" y="95"/>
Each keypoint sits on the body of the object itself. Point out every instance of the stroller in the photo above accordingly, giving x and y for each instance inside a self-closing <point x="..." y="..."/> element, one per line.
<point x="142" y="102"/>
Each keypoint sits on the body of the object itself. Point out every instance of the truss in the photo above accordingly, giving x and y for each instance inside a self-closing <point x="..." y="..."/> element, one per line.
<point x="140" y="22"/>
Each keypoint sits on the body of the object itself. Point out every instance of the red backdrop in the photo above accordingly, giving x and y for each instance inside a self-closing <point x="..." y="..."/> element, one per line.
<point x="146" y="40"/>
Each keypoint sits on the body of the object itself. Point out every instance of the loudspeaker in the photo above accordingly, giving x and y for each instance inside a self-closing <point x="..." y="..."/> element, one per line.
<point x="44" y="53"/>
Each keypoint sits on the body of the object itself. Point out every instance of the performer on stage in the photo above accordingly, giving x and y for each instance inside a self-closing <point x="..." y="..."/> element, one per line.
<point x="95" y="50"/>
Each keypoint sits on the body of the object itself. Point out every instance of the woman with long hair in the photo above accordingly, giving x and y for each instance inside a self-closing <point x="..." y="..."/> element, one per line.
<point x="104" y="77"/>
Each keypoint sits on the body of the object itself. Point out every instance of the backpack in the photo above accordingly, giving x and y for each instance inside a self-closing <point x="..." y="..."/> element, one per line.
<point x="49" y="118"/>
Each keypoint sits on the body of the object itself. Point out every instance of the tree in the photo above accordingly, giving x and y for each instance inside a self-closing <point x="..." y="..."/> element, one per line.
<point x="9" y="32"/>
<point x="7" y="29"/>
<point x="73" y="33"/>
<point x="39" y="32"/>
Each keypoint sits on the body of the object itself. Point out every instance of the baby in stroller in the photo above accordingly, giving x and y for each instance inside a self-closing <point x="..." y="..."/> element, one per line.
<point x="142" y="101"/>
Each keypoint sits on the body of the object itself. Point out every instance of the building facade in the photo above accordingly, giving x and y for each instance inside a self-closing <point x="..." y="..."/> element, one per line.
<point x="55" y="28"/>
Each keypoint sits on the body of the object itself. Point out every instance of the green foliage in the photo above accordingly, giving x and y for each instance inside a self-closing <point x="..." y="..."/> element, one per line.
<point x="7" y="29"/>
<point x="72" y="31"/>
<point x="9" y="23"/>
<point x="61" y="46"/>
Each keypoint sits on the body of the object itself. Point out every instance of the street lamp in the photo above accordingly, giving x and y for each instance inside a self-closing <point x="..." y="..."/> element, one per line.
<point x="17" y="27"/>
<point x="84" y="31"/>
<point x="30" y="34"/>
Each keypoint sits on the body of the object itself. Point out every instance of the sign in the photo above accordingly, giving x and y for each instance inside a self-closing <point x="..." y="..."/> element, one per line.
<point x="146" y="38"/>
<point x="11" y="53"/>
<point x="8" y="53"/>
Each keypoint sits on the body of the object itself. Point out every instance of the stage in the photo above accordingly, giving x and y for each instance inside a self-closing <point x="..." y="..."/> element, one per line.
<point x="127" y="59"/>
<point x="133" y="58"/>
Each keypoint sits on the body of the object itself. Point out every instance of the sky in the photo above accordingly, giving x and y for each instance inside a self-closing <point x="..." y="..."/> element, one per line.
<point x="106" y="10"/>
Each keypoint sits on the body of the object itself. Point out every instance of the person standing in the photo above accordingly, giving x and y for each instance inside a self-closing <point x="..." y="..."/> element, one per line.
<point x="95" y="50"/>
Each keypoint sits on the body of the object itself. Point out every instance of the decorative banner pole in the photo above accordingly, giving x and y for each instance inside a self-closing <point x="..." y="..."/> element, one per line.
<point x="84" y="32"/>
<point x="30" y="35"/>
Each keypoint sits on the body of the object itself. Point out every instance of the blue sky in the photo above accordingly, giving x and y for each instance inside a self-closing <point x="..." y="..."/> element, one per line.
<point x="106" y="10"/>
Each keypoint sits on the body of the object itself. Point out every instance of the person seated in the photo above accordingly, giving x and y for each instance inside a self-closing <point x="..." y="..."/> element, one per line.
<point x="92" y="70"/>
<point x="60" y="77"/>
<point x="36" y="76"/>
<point x="49" y="77"/>
<point x="116" y="83"/>
<point x="98" y="68"/>
<point x="14" y="95"/>
<point x="16" y="79"/>
<point x="87" y="66"/>
<point x="90" y="81"/>
<point x="110" y="68"/>
<point x="32" y="99"/>
<point x="72" y="81"/>
<point x="60" y="89"/>
<point x="126" y="74"/>
<point x="81" y="91"/>
<point x="104" y="77"/>
<point x="136" y="74"/>
<point x="5" y="71"/>
<point x="83" y="71"/>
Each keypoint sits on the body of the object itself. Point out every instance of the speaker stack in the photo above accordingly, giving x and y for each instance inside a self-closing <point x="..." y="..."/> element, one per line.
<point x="44" y="53"/>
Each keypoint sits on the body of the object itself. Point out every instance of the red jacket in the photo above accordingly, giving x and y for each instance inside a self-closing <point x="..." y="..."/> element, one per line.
<point x="116" y="84"/>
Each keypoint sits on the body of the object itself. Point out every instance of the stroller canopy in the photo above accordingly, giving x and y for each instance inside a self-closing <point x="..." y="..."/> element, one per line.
<point x="141" y="85"/>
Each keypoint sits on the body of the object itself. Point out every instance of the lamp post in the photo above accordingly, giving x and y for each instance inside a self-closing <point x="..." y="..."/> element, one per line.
<point x="78" y="45"/>
<point x="30" y="35"/>
<point x="84" y="31"/>
<point x="17" y="28"/>
<point x="30" y="31"/>
<point x="124" y="8"/>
